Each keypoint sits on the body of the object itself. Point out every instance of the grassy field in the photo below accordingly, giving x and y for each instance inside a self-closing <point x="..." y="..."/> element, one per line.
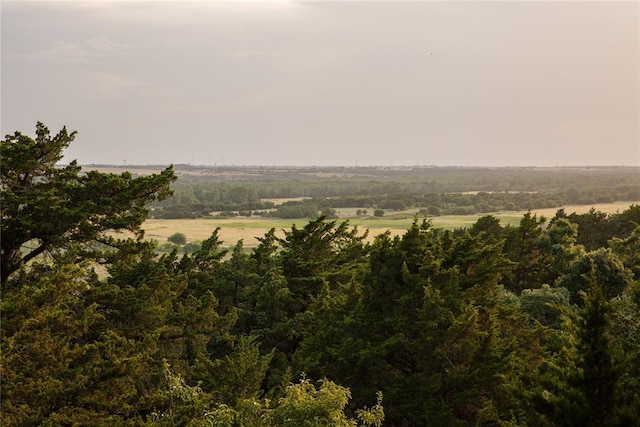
<point x="247" y="229"/>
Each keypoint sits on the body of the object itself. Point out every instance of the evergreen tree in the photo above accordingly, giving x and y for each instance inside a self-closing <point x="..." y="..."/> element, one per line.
<point x="425" y="326"/>
<point x="522" y="247"/>
<point x="609" y="270"/>
<point x="558" y="249"/>
<point x="593" y="381"/>
<point x="46" y="208"/>
<point x="62" y="366"/>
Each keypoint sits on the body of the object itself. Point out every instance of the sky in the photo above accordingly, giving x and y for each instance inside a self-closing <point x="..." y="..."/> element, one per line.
<point x="319" y="83"/>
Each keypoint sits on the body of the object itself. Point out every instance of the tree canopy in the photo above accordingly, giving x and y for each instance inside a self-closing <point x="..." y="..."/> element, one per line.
<point x="48" y="208"/>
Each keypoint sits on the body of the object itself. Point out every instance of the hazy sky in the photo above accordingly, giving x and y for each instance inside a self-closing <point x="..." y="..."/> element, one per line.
<point x="328" y="83"/>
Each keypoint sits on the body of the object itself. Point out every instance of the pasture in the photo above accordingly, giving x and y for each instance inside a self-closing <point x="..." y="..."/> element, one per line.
<point x="248" y="228"/>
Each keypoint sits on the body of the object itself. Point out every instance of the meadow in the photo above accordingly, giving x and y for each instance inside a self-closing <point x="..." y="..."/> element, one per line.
<point x="248" y="228"/>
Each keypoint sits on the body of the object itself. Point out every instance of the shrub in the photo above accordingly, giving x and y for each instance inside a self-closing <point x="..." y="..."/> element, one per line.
<point x="178" y="238"/>
<point x="191" y="247"/>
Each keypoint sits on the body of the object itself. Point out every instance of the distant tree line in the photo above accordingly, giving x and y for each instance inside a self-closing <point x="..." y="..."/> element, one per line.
<point x="439" y="191"/>
<point x="344" y="181"/>
<point x="431" y="204"/>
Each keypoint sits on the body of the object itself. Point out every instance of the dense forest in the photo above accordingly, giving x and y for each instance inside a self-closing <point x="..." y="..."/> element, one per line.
<point x="528" y="325"/>
<point x="230" y="191"/>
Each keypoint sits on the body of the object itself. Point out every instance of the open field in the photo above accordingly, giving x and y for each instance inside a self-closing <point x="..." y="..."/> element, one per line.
<point x="234" y="229"/>
<point x="580" y="209"/>
<point x="247" y="229"/>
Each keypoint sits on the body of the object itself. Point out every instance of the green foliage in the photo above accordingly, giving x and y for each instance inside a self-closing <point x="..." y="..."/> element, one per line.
<point x="185" y="405"/>
<point x="626" y="249"/>
<point x="559" y="249"/>
<point x="59" y="366"/>
<point x="302" y="404"/>
<point x="178" y="238"/>
<point x="608" y="269"/>
<point x="298" y="209"/>
<point x="86" y="207"/>
<point x="522" y="246"/>
<point x="240" y="374"/>
<point x="592" y="382"/>
<point x="191" y="247"/>
<point x="597" y="228"/>
<point x="542" y="304"/>
<point x="488" y="227"/>
<point x="422" y="324"/>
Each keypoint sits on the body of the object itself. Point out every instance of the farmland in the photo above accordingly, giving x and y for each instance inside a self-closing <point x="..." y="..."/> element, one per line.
<point x="247" y="229"/>
<point x="246" y="202"/>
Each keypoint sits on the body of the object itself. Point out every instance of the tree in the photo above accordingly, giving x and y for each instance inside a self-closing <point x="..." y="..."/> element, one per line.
<point x="68" y="359"/>
<point x="522" y="246"/>
<point x="102" y="344"/>
<point x="53" y="208"/>
<point x="329" y="213"/>
<point x="302" y="404"/>
<point x="593" y="230"/>
<point x="489" y="227"/>
<point x="627" y="251"/>
<point x="592" y="381"/>
<point x="608" y="269"/>
<point x="178" y="238"/>
<point x="378" y="212"/>
<point x="422" y="324"/>
<point x="542" y="304"/>
<point x="320" y="252"/>
<point x="558" y="249"/>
